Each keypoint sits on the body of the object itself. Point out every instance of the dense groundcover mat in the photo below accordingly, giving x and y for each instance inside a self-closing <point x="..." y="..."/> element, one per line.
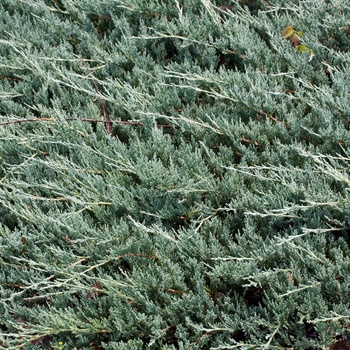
<point x="174" y="174"/>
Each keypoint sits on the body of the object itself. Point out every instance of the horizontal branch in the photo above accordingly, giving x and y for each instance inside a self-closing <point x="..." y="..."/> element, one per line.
<point x="34" y="120"/>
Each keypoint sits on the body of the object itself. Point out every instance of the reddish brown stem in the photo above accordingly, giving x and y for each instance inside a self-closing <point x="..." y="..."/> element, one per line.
<point x="107" y="121"/>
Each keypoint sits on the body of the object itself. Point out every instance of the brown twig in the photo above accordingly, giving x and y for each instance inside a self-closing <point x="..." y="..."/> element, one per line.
<point x="18" y="121"/>
<point x="139" y="255"/>
<point x="107" y="121"/>
<point x="273" y="118"/>
<point x="8" y="78"/>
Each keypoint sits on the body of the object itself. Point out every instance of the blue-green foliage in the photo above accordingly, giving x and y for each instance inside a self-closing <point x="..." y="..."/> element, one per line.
<point x="215" y="212"/>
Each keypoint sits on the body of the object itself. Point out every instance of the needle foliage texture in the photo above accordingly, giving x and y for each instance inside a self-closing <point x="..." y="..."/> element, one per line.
<point x="174" y="174"/>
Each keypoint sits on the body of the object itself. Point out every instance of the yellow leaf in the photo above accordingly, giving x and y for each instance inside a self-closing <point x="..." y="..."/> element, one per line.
<point x="288" y="32"/>
<point x="304" y="48"/>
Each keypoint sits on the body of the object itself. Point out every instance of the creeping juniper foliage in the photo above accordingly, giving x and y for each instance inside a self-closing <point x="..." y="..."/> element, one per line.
<point x="174" y="174"/>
